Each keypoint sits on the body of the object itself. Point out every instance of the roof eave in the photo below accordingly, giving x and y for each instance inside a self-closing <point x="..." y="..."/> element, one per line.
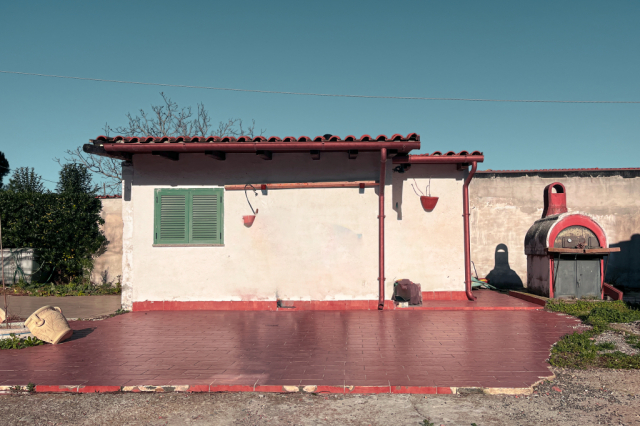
<point x="438" y="159"/>
<point x="119" y="149"/>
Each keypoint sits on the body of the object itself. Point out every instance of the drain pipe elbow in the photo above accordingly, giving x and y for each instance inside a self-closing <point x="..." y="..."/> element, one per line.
<point x="467" y="238"/>
<point x="383" y="172"/>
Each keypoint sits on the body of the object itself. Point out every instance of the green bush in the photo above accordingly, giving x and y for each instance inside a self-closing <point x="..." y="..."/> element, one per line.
<point x="596" y="313"/>
<point x="76" y="287"/>
<point x="620" y="361"/>
<point x="606" y="346"/>
<point x="577" y="350"/>
<point x="62" y="228"/>
<point x="15" y="342"/>
<point x="608" y="312"/>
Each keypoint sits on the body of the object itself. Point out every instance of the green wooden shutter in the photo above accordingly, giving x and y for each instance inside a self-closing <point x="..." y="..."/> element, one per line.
<point x="171" y="216"/>
<point x="206" y="216"/>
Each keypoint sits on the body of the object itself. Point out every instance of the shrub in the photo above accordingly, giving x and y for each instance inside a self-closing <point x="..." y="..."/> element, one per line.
<point x="64" y="229"/>
<point x="596" y="313"/>
<point x="76" y="287"/>
<point x="577" y="350"/>
<point x="15" y="342"/>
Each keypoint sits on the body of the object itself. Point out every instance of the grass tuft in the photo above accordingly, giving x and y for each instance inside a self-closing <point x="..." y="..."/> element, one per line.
<point x="605" y="346"/>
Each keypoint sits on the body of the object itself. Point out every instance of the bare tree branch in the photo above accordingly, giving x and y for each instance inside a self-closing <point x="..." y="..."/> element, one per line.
<point x="108" y="168"/>
<point x="166" y="119"/>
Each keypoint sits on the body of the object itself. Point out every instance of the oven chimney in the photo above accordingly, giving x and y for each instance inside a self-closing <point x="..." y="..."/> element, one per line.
<point x="554" y="202"/>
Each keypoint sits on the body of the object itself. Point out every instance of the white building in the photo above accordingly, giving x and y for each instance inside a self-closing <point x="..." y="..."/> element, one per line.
<point x="317" y="240"/>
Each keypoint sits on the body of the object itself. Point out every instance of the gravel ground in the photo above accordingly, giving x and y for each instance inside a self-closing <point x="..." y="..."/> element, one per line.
<point x="607" y="397"/>
<point x="631" y="327"/>
<point x="618" y="339"/>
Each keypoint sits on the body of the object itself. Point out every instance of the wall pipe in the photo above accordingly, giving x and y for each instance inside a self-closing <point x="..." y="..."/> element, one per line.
<point x="342" y="184"/>
<point x="467" y="238"/>
<point x="252" y="147"/>
<point x="383" y="173"/>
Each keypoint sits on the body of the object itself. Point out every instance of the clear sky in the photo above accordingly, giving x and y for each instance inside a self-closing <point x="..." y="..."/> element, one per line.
<point x="559" y="50"/>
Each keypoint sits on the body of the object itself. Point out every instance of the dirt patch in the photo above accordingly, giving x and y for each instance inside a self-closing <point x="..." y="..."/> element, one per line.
<point x="632" y="327"/>
<point x="574" y="397"/>
<point x="617" y="338"/>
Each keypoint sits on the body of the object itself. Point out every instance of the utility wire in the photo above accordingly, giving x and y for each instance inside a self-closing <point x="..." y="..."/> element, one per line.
<point x="331" y="95"/>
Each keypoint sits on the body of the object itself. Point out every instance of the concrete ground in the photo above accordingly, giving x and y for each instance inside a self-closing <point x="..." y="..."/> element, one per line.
<point x="72" y="306"/>
<point x="573" y="398"/>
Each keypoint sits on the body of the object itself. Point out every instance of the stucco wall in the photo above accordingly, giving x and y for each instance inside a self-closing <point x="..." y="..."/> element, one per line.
<point x="305" y="244"/>
<point x="110" y="261"/>
<point x="503" y="209"/>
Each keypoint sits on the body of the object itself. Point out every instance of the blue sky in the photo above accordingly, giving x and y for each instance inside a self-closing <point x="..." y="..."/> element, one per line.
<point x="565" y="50"/>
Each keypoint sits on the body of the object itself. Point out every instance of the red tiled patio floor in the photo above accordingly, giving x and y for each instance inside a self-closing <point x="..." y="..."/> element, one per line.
<point x="324" y="348"/>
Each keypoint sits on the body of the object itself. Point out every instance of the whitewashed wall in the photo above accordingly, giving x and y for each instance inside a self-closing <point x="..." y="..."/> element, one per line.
<point x="305" y="244"/>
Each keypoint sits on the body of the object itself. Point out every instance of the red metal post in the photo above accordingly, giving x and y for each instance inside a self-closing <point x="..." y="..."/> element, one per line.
<point x="383" y="172"/>
<point x="551" y="273"/>
<point x="602" y="278"/>
<point x="467" y="238"/>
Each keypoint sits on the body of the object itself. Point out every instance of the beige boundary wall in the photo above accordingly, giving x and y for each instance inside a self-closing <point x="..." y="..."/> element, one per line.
<point x="305" y="244"/>
<point x="505" y="205"/>
<point x="109" y="264"/>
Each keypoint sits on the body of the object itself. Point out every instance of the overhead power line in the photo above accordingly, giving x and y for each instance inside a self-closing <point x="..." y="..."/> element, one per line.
<point x="330" y="95"/>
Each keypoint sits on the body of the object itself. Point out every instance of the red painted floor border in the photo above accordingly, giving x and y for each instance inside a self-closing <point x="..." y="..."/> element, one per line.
<point x="424" y="390"/>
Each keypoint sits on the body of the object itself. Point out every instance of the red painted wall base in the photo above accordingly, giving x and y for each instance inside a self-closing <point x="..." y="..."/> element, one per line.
<point x="443" y="295"/>
<point x="288" y="305"/>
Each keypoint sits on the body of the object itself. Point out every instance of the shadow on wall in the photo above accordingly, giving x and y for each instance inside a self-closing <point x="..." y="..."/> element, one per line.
<point x="623" y="270"/>
<point x="502" y="276"/>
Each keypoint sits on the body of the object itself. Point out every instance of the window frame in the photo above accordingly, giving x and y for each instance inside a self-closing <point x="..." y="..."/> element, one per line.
<point x="189" y="193"/>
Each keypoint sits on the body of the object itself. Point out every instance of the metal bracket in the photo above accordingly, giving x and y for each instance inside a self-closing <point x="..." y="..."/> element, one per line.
<point x="216" y="155"/>
<point x="265" y="155"/>
<point x="169" y="155"/>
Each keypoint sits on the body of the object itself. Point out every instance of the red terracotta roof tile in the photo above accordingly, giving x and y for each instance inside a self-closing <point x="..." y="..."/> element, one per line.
<point x="209" y="139"/>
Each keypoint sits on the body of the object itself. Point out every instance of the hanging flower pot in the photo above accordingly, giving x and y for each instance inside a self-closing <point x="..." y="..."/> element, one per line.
<point x="428" y="203"/>
<point x="248" y="220"/>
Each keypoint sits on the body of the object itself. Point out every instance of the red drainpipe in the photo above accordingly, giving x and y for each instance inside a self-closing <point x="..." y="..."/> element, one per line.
<point x="467" y="239"/>
<point x="383" y="172"/>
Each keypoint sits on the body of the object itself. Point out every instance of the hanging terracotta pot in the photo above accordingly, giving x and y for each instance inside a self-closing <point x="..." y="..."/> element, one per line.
<point x="248" y="220"/>
<point x="428" y="203"/>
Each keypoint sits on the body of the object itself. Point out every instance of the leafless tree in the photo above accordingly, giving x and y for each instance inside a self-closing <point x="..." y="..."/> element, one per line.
<point x="166" y="119"/>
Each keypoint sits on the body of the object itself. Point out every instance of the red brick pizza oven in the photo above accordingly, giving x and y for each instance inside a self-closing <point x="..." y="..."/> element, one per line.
<point x="565" y="251"/>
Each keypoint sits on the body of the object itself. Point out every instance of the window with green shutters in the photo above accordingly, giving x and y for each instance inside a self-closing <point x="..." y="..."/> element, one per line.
<point x="188" y="216"/>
